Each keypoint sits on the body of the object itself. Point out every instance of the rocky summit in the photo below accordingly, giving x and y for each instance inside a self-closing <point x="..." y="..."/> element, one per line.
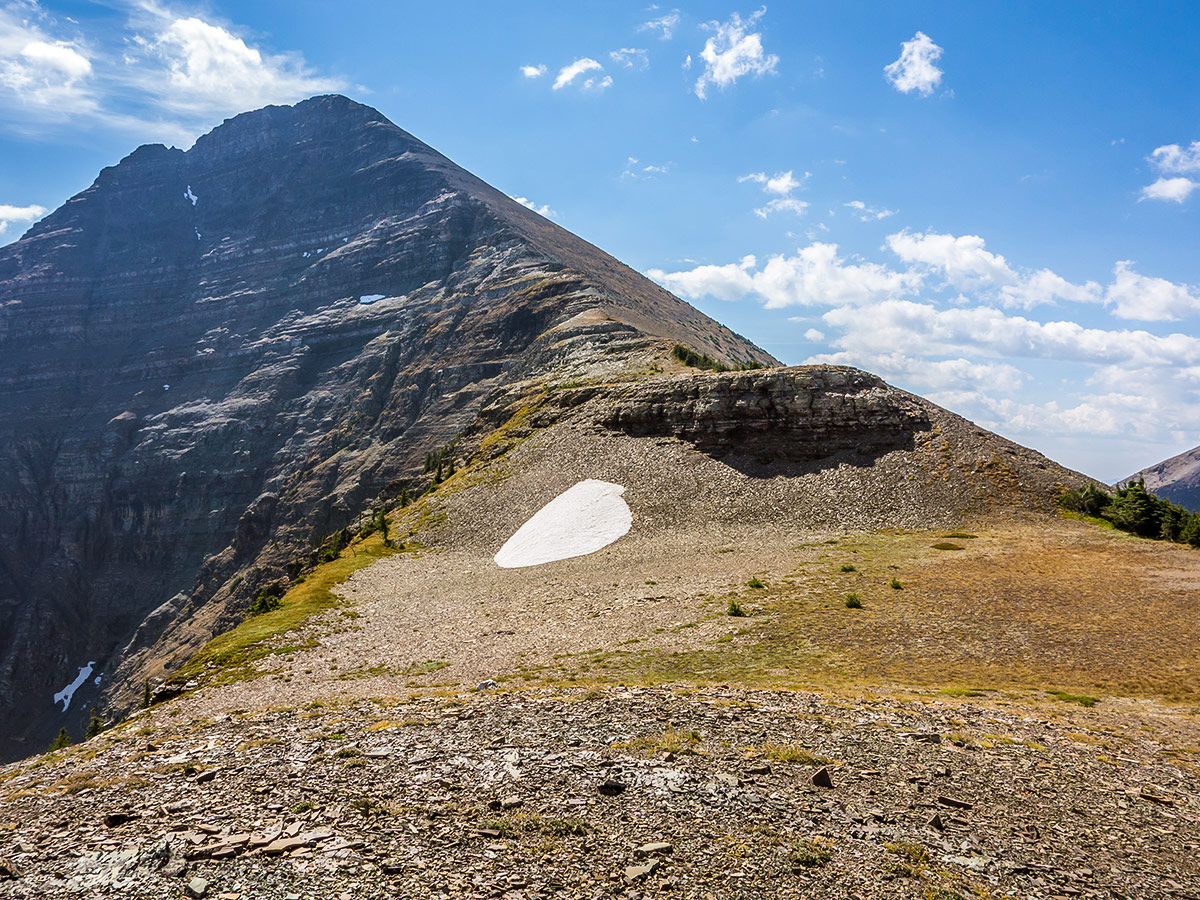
<point x="399" y="543"/>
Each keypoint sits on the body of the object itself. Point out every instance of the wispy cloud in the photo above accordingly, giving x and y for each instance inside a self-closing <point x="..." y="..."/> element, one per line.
<point x="541" y="210"/>
<point x="866" y="213"/>
<point x="569" y="73"/>
<point x="637" y="170"/>
<point x="732" y="52"/>
<point x="781" y="185"/>
<point x="916" y="69"/>
<point x="630" y="57"/>
<point x="533" y="71"/>
<point x="664" y="25"/>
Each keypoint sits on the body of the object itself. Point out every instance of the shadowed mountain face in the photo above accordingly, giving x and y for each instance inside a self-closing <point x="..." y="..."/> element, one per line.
<point x="1176" y="479"/>
<point x="212" y="359"/>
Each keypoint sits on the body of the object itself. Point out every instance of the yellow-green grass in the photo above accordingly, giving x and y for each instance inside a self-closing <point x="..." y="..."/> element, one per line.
<point x="1047" y="609"/>
<point x="234" y="655"/>
<point x="669" y="741"/>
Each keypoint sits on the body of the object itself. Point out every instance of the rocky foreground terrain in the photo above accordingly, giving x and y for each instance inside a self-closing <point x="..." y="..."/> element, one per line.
<point x="624" y="792"/>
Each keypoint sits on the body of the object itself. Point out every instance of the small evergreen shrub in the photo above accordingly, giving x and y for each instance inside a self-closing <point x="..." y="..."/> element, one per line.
<point x="754" y="582"/>
<point x="63" y="740"/>
<point x="735" y="609"/>
<point x="853" y="601"/>
<point x="95" y="725"/>
<point x="264" y="602"/>
<point x="896" y="585"/>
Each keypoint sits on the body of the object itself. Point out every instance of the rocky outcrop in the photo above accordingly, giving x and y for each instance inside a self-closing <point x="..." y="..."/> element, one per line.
<point x="792" y="415"/>
<point x="210" y="360"/>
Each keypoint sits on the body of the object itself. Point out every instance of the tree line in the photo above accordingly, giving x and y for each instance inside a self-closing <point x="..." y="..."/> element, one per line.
<point x="1134" y="509"/>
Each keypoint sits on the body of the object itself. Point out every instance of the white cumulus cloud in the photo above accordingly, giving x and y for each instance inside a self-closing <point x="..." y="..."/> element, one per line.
<point x="209" y="70"/>
<point x="732" y="52"/>
<point x="1175" y="159"/>
<point x="1146" y="299"/>
<point x="1173" y="163"/>
<point x="963" y="260"/>
<point x="40" y="72"/>
<point x="569" y="73"/>
<point x="1177" y="189"/>
<point x="782" y="183"/>
<point x="10" y="214"/>
<point x="916" y="69"/>
<point x="533" y="71"/>
<point x="815" y="276"/>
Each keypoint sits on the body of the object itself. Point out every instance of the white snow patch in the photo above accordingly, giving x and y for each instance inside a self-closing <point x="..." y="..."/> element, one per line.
<point x="579" y="521"/>
<point x="197" y="230"/>
<point x="307" y="254"/>
<point x="64" y="696"/>
<point x="98" y="677"/>
<point x="190" y="196"/>
<point x="368" y="299"/>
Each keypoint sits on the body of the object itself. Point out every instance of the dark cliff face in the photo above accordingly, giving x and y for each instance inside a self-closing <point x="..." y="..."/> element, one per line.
<point x="210" y="360"/>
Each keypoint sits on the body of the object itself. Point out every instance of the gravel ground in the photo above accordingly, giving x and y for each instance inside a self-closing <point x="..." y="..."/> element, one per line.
<point x="627" y="793"/>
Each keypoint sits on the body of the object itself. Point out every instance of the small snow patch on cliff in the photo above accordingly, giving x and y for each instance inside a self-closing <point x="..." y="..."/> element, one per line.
<point x="190" y="196"/>
<point x="64" y="696"/>
<point x="367" y="299"/>
<point x="579" y="521"/>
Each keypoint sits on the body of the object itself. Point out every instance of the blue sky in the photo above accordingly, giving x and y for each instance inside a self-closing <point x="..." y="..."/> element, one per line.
<point x="992" y="205"/>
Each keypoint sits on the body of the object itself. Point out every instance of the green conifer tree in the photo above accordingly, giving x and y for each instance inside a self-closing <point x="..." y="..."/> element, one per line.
<point x="63" y="740"/>
<point x="95" y="725"/>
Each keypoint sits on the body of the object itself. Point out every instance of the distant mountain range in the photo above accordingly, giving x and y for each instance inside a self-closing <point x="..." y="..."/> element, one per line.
<point x="1176" y="479"/>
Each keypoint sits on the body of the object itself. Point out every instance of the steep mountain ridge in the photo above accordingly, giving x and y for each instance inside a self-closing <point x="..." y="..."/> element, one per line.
<point x="213" y="359"/>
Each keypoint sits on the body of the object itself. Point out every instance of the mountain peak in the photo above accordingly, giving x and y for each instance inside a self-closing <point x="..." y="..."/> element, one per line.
<point x="216" y="358"/>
